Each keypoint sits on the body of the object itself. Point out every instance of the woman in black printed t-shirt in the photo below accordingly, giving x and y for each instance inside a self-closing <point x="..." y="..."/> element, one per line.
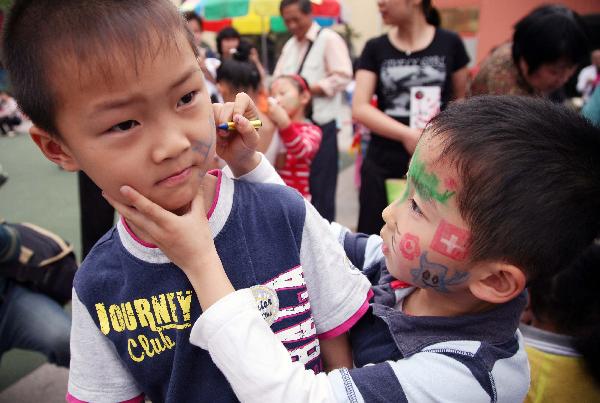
<point x="413" y="55"/>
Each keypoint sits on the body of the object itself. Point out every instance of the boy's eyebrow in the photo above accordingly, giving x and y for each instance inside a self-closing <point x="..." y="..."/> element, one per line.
<point x="115" y="103"/>
<point x="423" y="192"/>
<point x="118" y="103"/>
<point x="185" y="76"/>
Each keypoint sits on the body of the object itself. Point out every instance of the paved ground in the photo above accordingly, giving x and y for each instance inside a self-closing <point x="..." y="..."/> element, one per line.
<point x="39" y="192"/>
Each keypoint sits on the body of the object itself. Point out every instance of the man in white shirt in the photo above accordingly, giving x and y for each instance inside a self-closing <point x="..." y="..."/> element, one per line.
<point x="589" y="77"/>
<point x="321" y="56"/>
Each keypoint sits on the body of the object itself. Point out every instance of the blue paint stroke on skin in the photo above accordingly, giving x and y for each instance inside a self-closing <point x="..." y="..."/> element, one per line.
<point x="435" y="275"/>
<point x="203" y="149"/>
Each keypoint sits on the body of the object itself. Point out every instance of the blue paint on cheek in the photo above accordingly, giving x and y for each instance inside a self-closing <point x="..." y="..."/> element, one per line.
<point x="203" y="148"/>
<point x="434" y="275"/>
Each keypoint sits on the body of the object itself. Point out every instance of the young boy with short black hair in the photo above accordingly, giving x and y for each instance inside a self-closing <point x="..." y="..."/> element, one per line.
<point x="114" y="88"/>
<point x="502" y="191"/>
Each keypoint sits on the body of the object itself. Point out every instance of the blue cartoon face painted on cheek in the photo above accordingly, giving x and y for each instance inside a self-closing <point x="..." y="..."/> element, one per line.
<point x="434" y="275"/>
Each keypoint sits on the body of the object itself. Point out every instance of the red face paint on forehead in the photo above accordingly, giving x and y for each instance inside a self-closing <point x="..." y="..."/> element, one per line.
<point x="450" y="184"/>
<point x="451" y="241"/>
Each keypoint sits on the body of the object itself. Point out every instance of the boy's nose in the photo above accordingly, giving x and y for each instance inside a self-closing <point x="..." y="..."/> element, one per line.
<point x="386" y="214"/>
<point x="170" y="143"/>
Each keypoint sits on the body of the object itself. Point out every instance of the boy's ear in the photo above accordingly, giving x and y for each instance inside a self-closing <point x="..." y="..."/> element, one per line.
<point x="498" y="282"/>
<point x="54" y="149"/>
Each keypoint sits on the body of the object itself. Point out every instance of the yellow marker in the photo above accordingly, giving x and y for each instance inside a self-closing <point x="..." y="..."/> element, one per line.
<point x="231" y="125"/>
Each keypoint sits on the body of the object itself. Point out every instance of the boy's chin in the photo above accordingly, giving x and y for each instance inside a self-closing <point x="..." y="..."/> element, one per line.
<point x="182" y="210"/>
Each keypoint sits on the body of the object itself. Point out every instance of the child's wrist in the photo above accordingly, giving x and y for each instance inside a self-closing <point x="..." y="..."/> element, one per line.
<point x="284" y="125"/>
<point x="244" y="165"/>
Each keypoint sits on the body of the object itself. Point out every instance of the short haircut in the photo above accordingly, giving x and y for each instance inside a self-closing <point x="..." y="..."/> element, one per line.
<point x="192" y="16"/>
<point x="549" y="34"/>
<point x="226" y="33"/>
<point x="304" y="5"/>
<point x="39" y="35"/>
<point x="530" y="179"/>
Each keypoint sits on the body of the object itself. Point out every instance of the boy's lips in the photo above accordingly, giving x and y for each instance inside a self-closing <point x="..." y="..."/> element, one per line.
<point x="177" y="177"/>
<point x="385" y="249"/>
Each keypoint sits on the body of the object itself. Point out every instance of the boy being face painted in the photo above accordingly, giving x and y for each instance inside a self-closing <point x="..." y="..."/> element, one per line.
<point x="425" y="239"/>
<point x="151" y="128"/>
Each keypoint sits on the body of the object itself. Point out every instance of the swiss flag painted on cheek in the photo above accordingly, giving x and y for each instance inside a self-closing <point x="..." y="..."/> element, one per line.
<point x="451" y="241"/>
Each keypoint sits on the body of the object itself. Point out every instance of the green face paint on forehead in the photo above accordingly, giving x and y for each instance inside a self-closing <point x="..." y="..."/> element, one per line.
<point x="426" y="184"/>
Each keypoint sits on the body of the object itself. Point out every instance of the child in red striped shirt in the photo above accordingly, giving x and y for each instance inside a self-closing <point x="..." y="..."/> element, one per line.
<point x="290" y="109"/>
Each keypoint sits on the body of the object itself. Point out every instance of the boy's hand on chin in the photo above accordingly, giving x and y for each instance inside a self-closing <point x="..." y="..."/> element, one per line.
<point x="238" y="147"/>
<point x="185" y="239"/>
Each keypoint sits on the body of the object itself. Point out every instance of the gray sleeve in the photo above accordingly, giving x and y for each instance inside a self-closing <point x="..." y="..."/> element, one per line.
<point x="338" y="291"/>
<point x="96" y="373"/>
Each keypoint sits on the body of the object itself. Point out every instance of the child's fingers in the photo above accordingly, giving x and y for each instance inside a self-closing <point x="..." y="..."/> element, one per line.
<point x="247" y="132"/>
<point x="197" y="210"/>
<point x="244" y="106"/>
<point x="131" y="215"/>
<point x="140" y="202"/>
<point x="143" y="212"/>
<point x="217" y="110"/>
<point x="121" y="208"/>
<point x="223" y="112"/>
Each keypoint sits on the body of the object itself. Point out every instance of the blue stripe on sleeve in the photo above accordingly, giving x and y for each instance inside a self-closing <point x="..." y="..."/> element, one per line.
<point x="378" y="383"/>
<point x="354" y="246"/>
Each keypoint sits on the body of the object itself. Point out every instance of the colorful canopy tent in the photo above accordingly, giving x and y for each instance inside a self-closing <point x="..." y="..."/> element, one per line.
<point x="255" y="17"/>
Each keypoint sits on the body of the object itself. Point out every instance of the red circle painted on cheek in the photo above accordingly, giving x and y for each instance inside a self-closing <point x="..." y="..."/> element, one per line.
<point x="409" y="246"/>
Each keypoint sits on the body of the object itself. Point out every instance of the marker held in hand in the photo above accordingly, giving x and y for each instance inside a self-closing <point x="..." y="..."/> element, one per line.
<point x="231" y="125"/>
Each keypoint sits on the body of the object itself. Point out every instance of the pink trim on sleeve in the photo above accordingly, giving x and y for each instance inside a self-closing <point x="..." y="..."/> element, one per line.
<point x="137" y="399"/>
<point x="344" y="327"/>
<point x="72" y="399"/>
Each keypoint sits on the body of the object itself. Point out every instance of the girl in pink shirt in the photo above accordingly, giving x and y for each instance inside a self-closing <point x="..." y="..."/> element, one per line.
<point x="290" y="109"/>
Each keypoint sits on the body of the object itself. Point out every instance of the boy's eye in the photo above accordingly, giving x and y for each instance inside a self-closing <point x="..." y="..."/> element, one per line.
<point x="415" y="207"/>
<point x="124" y="126"/>
<point x="187" y="98"/>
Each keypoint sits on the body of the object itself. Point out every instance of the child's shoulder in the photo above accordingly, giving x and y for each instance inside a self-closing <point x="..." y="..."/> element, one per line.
<point x="269" y="195"/>
<point x="101" y="261"/>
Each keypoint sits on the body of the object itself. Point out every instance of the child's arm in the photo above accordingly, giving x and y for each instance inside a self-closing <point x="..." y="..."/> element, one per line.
<point x="301" y="141"/>
<point x="331" y="286"/>
<point x="336" y="352"/>
<point x="338" y="292"/>
<point x="259" y="370"/>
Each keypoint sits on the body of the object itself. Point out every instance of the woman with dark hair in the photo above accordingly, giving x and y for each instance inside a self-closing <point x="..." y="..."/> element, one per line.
<point x="416" y="61"/>
<point x="228" y="40"/>
<point x="547" y="46"/>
